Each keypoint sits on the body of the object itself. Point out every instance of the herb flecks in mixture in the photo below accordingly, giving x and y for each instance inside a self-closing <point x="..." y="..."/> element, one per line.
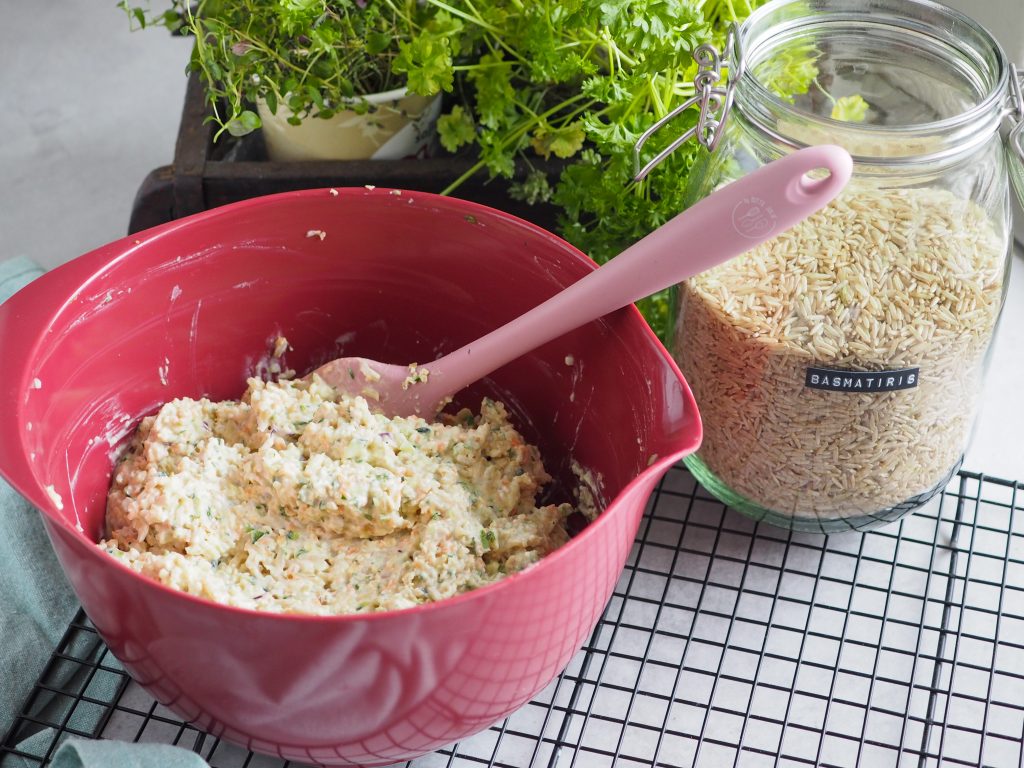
<point x="301" y="499"/>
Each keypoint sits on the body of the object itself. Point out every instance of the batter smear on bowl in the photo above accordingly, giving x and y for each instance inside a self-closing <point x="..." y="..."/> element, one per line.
<point x="300" y="499"/>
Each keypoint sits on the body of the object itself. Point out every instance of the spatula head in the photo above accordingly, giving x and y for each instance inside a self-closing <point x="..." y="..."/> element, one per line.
<point x="393" y="390"/>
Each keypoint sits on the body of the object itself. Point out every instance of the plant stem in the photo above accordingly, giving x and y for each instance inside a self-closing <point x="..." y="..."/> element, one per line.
<point x="515" y="134"/>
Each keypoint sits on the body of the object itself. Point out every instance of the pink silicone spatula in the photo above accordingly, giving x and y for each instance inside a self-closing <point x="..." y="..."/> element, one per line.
<point x="728" y="222"/>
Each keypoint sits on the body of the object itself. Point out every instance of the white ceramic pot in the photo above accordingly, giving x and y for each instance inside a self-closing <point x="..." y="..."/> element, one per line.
<point x="398" y="125"/>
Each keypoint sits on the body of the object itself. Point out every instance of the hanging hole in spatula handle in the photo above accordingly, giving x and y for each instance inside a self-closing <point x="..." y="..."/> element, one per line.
<point x="725" y="224"/>
<point x="807" y="180"/>
<point x="733" y="219"/>
<point x="819" y="182"/>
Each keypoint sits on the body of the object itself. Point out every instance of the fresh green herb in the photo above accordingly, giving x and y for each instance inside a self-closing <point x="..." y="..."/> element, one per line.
<point x="456" y="128"/>
<point x="257" y="534"/>
<point x="793" y="71"/>
<point x="488" y="538"/>
<point x="423" y="430"/>
<point x="580" y="81"/>
<point x="790" y="71"/>
<point x="575" y="81"/>
<point x="292" y="535"/>
<point x="850" y="109"/>
<point x="312" y="57"/>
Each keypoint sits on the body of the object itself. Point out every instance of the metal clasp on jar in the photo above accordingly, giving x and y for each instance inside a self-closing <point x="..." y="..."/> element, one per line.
<point x="1015" y="139"/>
<point x="714" y="94"/>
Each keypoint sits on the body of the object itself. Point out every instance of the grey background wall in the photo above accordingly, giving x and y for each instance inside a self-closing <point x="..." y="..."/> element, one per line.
<point x="88" y="109"/>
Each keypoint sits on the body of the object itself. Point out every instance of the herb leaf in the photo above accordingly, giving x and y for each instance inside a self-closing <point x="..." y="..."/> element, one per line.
<point x="426" y="61"/>
<point x="563" y="142"/>
<point x="850" y="109"/>
<point x="488" y="538"/>
<point x="456" y="128"/>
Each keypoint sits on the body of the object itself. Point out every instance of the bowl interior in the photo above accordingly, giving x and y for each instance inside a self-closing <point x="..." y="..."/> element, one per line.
<point x="191" y="309"/>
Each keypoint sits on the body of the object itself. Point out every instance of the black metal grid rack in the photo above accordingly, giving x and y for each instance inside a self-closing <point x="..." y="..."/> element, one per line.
<point x="726" y="643"/>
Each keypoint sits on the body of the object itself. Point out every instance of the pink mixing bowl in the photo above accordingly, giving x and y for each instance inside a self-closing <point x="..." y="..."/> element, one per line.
<point x="191" y="308"/>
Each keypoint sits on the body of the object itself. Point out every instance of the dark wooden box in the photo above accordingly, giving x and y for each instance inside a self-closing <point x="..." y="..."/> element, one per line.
<point x="205" y="174"/>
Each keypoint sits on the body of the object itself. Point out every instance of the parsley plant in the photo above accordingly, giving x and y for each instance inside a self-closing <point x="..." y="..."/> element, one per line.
<point x="581" y="80"/>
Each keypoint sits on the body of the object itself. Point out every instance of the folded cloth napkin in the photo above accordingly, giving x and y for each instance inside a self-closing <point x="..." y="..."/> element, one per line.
<point x="36" y="603"/>
<point x="81" y="753"/>
<point x="36" y="606"/>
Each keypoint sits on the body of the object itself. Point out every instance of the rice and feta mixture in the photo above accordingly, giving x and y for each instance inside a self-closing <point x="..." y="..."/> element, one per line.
<point x="300" y="499"/>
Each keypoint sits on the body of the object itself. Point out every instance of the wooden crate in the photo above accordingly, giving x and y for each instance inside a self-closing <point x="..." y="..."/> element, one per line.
<point x="205" y="174"/>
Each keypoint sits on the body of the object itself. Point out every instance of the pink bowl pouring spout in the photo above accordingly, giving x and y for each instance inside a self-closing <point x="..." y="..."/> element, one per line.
<point x="191" y="309"/>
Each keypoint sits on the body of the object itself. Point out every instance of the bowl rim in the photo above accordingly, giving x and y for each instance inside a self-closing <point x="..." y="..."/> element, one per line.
<point x="123" y="248"/>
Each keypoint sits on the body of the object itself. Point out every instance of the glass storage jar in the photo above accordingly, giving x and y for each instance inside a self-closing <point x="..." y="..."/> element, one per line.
<point x="838" y="367"/>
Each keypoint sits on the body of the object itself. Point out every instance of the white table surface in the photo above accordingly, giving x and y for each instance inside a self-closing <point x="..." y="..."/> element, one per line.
<point x="997" y="447"/>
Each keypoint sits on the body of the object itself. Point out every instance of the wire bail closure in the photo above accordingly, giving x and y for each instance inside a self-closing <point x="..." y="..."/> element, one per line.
<point x="714" y="94"/>
<point x="1016" y="137"/>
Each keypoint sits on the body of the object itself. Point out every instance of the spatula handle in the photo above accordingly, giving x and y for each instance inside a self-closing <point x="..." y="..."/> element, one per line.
<point x="725" y="224"/>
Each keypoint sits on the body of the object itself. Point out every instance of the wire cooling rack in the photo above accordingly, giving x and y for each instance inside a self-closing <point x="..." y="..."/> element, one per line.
<point x="726" y="643"/>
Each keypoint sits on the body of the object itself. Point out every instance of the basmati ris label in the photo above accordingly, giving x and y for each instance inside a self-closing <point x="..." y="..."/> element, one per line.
<point x="861" y="381"/>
